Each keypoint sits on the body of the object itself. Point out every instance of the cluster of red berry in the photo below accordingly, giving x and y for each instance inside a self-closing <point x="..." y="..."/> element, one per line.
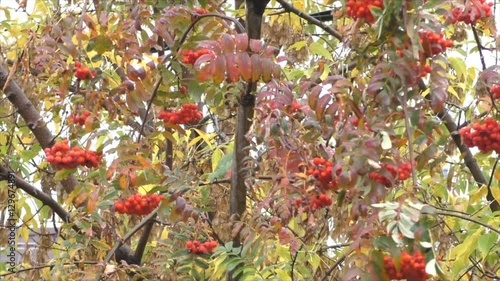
<point x="83" y="72"/>
<point x="189" y="113"/>
<point x="434" y="43"/>
<point x="495" y="91"/>
<point x="323" y="173"/>
<point x="485" y="136"/>
<point x="63" y="157"/>
<point x="79" y="119"/>
<point x="401" y="173"/>
<point x="315" y="203"/>
<point x="477" y="11"/>
<point x="412" y="267"/>
<point x="360" y="9"/>
<point x="138" y="204"/>
<point x="196" y="247"/>
<point x="425" y="70"/>
<point x="190" y="57"/>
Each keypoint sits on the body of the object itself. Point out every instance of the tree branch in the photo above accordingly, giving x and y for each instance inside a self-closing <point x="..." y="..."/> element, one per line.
<point x="290" y="8"/>
<point x="469" y="159"/>
<point x="32" y="118"/>
<point x="45" y="198"/>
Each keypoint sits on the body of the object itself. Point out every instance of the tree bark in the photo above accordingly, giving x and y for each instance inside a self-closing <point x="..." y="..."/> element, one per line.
<point x="237" y="201"/>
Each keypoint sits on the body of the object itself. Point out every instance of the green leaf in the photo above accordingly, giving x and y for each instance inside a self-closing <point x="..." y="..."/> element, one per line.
<point x="224" y="164"/>
<point x="383" y="243"/>
<point x="486" y="242"/>
<point x="298" y="45"/>
<point x="63" y="174"/>
<point x="103" y="44"/>
<point x="318" y="49"/>
<point x="462" y="252"/>
<point x="283" y="275"/>
<point x="100" y="245"/>
<point x="27" y="155"/>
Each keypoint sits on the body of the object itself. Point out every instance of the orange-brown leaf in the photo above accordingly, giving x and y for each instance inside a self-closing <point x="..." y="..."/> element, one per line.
<point x="267" y="69"/>
<point x="256" y="67"/>
<point x="205" y="73"/>
<point x="320" y="107"/>
<point x="219" y="69"/>
<point x="227" y="43"/>
<point x="313" y="96"/>
<point x="241" y="41"/>
<point x="244" y="65"/>
<point x="123" y="181"/>
<point x="233" y="72"/>
<point x="255" y="45"/>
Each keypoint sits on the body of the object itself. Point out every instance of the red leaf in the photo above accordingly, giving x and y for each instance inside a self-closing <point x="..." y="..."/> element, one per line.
<point x="332" y="109"/>
<point x="438" y="99"/>
<point x="320" y="107"/>
<point x="313" y="96"/>
<point x="71" y="48"/>
<point x="219" y="69"/>
<point x="211" y="45"/>
<point x="203" y="59"/>
<point x="135" y="74"/>
<point x="163" y="33"/>
<point x="255" y="45"/>
<point x="267" y="68"/>
<point x="227" y="43"/>
<point x="233" y="71"/>
<point x="285" y="235"/>
<point x="241" y="42"/>
<point x="205" y="73"/>
<point x="256" y="67"/>
<point x="244" y="65"/>
<point x="180" y="204"/>
<point x="271" y="51"/>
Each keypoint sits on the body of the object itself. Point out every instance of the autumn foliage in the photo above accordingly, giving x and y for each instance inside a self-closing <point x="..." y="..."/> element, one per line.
<point x="361" y="146"/>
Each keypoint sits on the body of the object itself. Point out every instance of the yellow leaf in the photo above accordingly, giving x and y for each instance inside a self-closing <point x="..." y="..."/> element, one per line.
<point x="206" y="137"/>
<point x="314" y="260"/>
<point x="164" y="233"/>
<point x="462" y="252"/>
<point x="123" y="181"/>
<point x="100" y="244"/>
<point x="144" y="189"/>
<point x="452" y="91"/>
<point x="478" y="194"/>
<point x="24" y="232"/>
<point x="216" y="156"/>
<point x="283" y="275"/>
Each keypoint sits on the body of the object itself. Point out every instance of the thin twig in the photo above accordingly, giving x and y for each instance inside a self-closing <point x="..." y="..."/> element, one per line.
<point x="332" y="268"/>
<point x="49" y="265"/>
<point x="478" y="41"/>
<point x="467" y="218"/>
<point x="290" y="8"/>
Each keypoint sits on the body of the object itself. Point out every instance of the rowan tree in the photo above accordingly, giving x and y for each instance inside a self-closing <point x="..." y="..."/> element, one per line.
<point x="250" y="140"/>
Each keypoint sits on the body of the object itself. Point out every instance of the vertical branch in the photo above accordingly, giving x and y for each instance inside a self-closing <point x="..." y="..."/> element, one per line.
<point x="148" y="227"/>
<point x="237" y="201"/>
